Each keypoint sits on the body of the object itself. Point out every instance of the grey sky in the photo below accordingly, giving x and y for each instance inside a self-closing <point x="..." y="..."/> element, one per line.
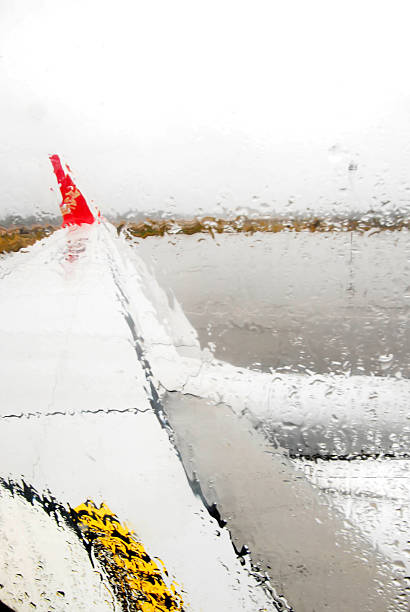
<point x="216" y="105"/>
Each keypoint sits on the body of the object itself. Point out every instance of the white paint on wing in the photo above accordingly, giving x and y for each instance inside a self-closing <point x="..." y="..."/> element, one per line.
<point x="77" y="417"/>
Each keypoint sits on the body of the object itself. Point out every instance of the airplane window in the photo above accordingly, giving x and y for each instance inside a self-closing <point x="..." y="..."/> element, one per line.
<point x="204" y="306"/>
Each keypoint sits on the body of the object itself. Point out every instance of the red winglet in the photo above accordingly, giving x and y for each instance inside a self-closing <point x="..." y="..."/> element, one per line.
<point x="74" y="208"/>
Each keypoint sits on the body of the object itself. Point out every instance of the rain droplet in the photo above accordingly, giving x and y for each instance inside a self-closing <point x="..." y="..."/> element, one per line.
<point x="386" y="358"/>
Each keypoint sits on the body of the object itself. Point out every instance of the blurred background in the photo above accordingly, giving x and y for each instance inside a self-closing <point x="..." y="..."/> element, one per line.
<point x="189" y="108"/>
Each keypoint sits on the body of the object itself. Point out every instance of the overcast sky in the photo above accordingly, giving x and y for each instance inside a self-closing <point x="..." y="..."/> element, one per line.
<point x="218" y="105"/>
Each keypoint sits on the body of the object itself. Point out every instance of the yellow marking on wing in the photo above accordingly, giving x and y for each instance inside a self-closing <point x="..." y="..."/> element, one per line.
<point x="134" y="575"/>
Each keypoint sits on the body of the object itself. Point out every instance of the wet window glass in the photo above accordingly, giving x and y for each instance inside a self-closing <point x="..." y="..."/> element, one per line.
<point x="204" y="307"/>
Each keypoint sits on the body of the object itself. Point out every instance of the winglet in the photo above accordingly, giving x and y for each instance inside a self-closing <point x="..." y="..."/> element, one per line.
<point x="74" y="207"/>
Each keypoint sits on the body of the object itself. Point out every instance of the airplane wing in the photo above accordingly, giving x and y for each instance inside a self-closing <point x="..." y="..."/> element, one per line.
<point x="81" y="421"/>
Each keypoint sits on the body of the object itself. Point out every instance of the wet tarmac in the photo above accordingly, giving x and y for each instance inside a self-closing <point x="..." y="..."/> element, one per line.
<point x="301" y="302"/>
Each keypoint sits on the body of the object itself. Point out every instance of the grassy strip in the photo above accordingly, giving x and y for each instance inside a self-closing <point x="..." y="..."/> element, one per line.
<point x="212" y="225"/>
<point x="16" y="238"/>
